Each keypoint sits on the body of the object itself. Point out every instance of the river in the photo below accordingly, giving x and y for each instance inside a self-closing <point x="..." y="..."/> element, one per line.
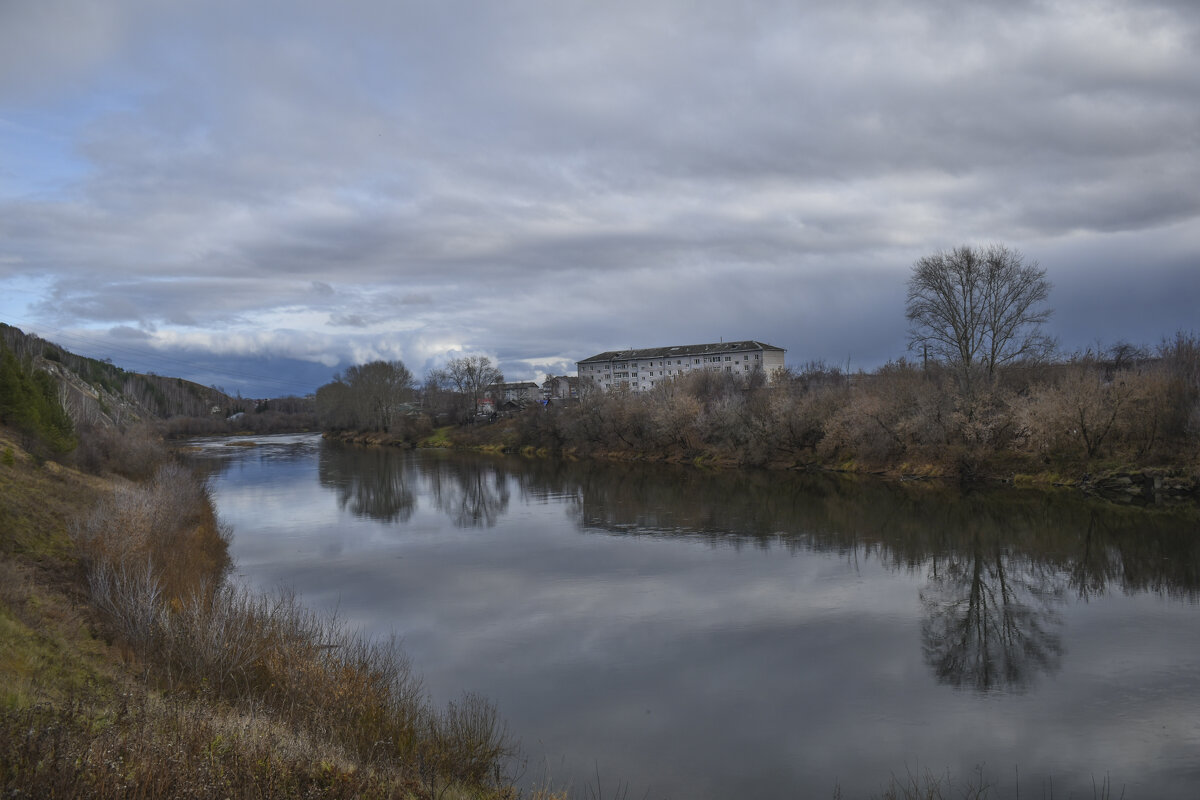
<point x="671" y="632"/>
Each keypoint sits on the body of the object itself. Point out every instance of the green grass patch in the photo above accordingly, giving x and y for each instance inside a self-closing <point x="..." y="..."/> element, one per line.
<point x="439" y="438"/>
<point x="38" y="504"/>
<point x="37" y="663"/>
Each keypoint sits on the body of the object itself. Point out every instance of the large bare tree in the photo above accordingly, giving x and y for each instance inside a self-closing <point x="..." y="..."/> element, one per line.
<point x="369" y="396"/>
<point x="379" y="389"/>
<point x="470" y="376"/>
<point x="978" y="309"/>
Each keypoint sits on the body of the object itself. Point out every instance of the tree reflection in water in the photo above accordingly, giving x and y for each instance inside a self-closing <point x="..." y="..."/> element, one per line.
<point x="369" y="482"/>
<point x="384" y="484"/>
<point x="472" y="493"/>
<point x="998" y="564"/>
<point x="990" y="619"/>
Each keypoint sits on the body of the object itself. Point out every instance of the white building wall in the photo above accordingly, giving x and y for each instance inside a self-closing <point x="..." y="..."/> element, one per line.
<point x="643" y="374"/>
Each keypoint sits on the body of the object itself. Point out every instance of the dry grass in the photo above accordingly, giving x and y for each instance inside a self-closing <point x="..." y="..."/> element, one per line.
<point x="154" y="571"/>
<point x="144" y="746"/>
<point x="130" y="668"/>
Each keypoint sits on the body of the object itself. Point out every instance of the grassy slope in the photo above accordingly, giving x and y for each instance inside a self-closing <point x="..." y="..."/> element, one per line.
<point x="81" y="717"/>
<point x="47" y="647"/>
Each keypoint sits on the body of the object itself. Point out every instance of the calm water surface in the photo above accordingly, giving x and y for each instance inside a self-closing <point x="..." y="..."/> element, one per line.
<point x="748" y="634"/>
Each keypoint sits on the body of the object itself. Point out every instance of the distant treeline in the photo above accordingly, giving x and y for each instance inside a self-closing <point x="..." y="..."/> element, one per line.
<point x="104" y="419"/>
<point x="1124" y="406"/>
<point x="1121" y="406"/>
<point x="383" y="396"/>
<point x="105" y="392"/>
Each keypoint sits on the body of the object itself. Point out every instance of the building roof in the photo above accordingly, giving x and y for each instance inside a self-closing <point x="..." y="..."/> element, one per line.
<point x="681" y="351"/>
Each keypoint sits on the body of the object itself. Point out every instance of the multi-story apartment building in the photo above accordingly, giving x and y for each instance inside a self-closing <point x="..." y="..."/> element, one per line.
<point x="642" y="370"/>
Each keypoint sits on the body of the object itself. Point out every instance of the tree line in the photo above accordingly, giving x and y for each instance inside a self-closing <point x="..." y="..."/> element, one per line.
<point x="1091" y="409"/>
<point x="987" y="394"/>
<point x="29" y="402"/>
<point x="384" y="396"/>
<point x="983" y="391"/>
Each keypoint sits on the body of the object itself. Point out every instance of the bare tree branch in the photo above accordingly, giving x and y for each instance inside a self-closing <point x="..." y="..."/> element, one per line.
<point x="978" y="309"/>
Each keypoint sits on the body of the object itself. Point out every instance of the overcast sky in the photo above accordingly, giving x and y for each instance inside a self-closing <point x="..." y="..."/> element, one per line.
<point x="258" y="194"/>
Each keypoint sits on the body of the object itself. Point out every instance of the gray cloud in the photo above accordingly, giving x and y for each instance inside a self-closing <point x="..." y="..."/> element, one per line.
<point x="541" y="181"/>
<point x="126" y="332"/>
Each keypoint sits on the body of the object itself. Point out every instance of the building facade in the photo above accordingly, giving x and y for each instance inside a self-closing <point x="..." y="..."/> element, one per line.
<point x="518" y="393"/>
<point x="560" y="387"/>
<point x="642" y="370"/>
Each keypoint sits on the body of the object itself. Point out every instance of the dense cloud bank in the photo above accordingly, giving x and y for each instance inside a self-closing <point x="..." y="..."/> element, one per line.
<point x="542" y="181"/>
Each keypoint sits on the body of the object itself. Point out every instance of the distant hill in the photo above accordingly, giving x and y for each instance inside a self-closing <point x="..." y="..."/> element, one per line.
<point x="99" y="393"/>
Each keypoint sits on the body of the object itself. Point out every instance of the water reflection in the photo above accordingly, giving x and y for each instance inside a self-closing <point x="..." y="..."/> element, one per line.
<point x="996" y="565"/>
<point x="626" y="614"/>
<point x="369" y="482"/>
<point x="977" y="540"/>
<point x="990" y="619"/>
<point x="1054" y="541"/>
<point x="472" y="493"/>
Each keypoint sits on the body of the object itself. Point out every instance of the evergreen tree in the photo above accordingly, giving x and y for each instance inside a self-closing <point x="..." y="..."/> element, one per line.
<point x="29" y="403"/>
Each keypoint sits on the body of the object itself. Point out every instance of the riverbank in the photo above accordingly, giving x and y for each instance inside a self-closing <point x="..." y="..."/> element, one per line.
<point x="1119" y="424"/>
<point x="129" y="668"/>
<point x="1114" y="481"/>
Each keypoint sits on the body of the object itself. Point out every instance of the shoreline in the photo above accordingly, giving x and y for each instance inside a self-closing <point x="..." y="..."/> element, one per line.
<point x="1119" y="483"/>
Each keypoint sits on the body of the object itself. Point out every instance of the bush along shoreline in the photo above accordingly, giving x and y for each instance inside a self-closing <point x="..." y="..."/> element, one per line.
<point x="1124" y="424"/>
<point x="133" y="667"/>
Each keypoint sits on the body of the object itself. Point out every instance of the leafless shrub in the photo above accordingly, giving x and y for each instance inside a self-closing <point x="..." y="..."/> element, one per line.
<point x="130" y="597"/>
<point x="1181" y="365"/>
<point x="467" y="743"/>
<point x="134" y="451"/>
<point x="1083" y="414"/>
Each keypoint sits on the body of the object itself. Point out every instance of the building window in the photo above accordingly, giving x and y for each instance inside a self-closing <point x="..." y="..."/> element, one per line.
<point x="729" y="358"/>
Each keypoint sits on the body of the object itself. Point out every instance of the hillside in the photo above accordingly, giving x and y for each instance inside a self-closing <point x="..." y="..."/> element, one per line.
<point x="129" y="668"/>
<point x="100" y="393"/>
